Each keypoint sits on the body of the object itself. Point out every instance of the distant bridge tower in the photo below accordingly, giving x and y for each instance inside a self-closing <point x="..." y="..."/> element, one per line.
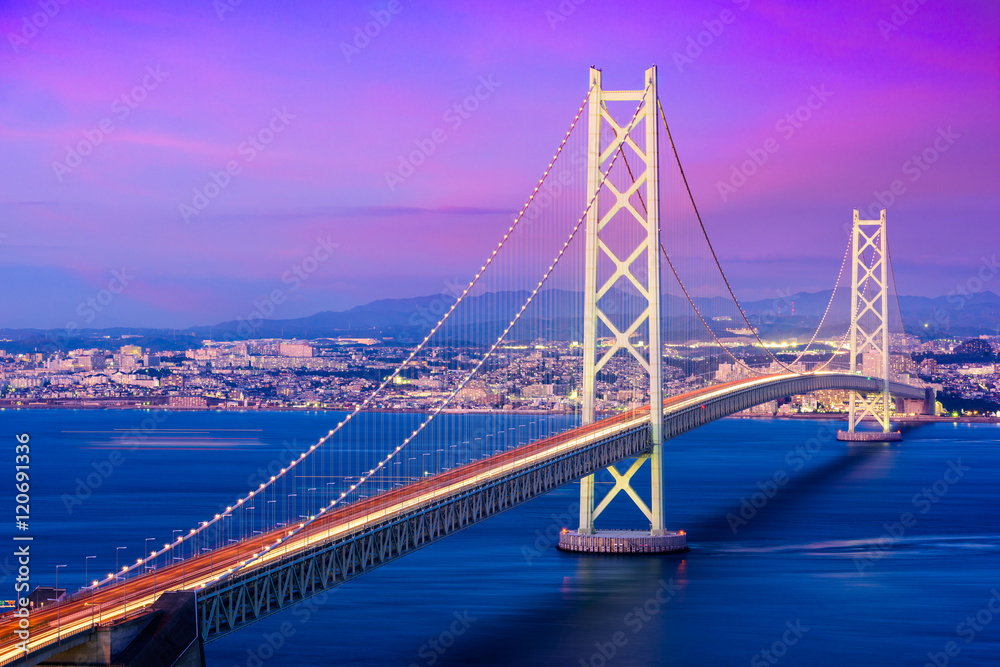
<point x="641" y="138"/>
<point x="869" y="327"/>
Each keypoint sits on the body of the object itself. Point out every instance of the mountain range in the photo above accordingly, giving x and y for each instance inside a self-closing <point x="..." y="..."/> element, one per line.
<point x="554" y="314"/>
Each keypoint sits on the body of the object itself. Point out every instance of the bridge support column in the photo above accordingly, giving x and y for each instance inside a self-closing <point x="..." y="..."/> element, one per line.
<point x="640" y="139"/>
<point x="869" y="328"/>
<point x="167" y="635"/>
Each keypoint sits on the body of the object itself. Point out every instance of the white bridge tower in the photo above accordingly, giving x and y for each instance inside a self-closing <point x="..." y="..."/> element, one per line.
<point x="869" y="327"/>
<point x="641" y="137"/>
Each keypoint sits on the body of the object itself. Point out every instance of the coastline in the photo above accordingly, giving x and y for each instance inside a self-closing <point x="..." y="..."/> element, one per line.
<point x="127" y="404"/>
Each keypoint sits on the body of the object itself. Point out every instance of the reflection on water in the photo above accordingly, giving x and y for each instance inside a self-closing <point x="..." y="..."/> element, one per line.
<point x="823" y="549"/>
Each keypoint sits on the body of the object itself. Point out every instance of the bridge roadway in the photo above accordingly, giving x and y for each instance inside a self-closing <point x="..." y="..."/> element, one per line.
<point x="110" y="603"/>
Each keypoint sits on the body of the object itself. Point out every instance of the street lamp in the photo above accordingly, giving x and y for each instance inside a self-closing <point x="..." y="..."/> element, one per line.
<point x="225" y="535"/>
<point x="117" y="549"/>
<point x="288" y="508"/>
<point x="93" y="587"/>
<point x="183" y="580"/>
<point x="124" y="581"/>
<point x="211" y="557"/>
<point x="249" y="530"/>
<point x="58" y="607"/>
<point x="85" y="564"/>
<point x="145" y="548"/>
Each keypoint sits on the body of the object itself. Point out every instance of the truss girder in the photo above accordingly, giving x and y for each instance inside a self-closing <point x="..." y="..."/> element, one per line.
<point x="233" y="604"/>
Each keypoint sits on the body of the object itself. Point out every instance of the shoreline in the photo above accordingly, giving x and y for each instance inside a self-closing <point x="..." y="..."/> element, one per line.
<point x="124" y="405"/>
<point x="348" y="408"/>
<point x="909" y="419"/>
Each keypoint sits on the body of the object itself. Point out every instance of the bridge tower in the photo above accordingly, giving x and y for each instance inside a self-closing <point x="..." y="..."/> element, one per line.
<point x="869" y="328"/>
<point x="640" y="137"/>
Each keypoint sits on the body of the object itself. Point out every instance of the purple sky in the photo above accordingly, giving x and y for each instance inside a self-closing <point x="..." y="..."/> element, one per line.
<point x="63" y="234"/>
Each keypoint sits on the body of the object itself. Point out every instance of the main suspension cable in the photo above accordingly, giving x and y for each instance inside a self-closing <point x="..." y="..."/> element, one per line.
<point x="722" y="273"/>
<point x="367" y="401"/>
<point x="677" y="277"/>
<point x="303" y="525"/>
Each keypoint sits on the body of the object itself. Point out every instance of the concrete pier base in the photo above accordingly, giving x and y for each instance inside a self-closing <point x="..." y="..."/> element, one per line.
<point x="869" y="436"/>
<point x="623" y="542"/>
<point x="166" y="636"/>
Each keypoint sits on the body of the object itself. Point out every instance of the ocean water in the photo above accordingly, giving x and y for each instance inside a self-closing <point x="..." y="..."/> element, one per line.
<point x="804" y="550"/>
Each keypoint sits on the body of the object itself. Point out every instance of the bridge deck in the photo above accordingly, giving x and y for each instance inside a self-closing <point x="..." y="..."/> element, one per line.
<point x="200" y="573"/>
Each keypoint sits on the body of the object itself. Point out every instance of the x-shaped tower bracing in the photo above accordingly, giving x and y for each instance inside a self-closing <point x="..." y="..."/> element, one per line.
<point x="640" y="137"/>
<point x="870" y="316"/>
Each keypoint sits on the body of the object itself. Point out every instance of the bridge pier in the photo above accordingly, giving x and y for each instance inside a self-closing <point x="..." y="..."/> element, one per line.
<point x="869" y="436"/>
<point x="623" y="542"/>
<point x="166" y="636"/>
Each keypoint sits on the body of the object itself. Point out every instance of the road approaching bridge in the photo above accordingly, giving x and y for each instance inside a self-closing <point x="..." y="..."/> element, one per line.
<point x="241" y="583"/>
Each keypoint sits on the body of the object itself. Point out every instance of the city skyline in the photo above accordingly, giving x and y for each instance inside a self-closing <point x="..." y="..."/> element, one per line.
<point x="317" y="126"/>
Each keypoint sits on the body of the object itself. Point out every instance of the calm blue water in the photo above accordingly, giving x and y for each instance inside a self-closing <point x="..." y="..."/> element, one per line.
<point x="846" y="563"/>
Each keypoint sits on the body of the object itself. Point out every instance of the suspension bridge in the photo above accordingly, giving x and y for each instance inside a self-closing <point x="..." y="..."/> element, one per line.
<point x="370" y="491"/>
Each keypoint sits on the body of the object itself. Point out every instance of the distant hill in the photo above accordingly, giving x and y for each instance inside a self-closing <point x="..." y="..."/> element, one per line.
<point x="927" y="317"/>
<point x="561" y="310"/>
<point x="553" y="314"/>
